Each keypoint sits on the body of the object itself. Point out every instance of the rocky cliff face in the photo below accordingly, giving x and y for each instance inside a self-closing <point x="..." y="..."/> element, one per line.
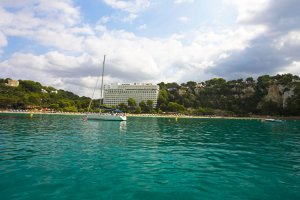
<point x="286" y="95"/>
<point x="274" y="94"/>
<point x="268" y="95"/>
<point x="278" y="94"/>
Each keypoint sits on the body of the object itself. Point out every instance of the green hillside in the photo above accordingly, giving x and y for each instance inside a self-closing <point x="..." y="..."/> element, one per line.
<point x="268" y="95"/>
<point x="30" y="94"/>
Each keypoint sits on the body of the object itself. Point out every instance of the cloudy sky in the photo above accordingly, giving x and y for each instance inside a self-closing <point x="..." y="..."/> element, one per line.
<point x="61" y="43"/>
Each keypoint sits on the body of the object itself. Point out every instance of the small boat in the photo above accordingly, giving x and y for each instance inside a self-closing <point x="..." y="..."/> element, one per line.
<point x="114" y="115"/>
<point x="107" y="116"/>
<point x="273" y="120"/>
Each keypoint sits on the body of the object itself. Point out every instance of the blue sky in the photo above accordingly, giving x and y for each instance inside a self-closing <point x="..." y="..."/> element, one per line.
<point x="62" y="42"/>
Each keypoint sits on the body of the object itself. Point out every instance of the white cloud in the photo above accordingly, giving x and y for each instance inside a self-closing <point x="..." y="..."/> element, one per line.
<point x="131" y="6"/>
<point x="130" y="17"/>
<point x="288" y="40"/>
<point x="104" y="20"/>
<point x="275" y="48"/>
<point x="248" y="9"/>
<point x="130" y="58"/>
<point x="6" y="17"/>
<point x="184" y="19"/>
<point x="293" y="68"/>
<point x="77" y="49"/>
<point x="3" y="41"/>
<point x="183" y="1"/>
<point x="142" y="27"/>
<point x="60" y="10"/>
<point x="15" y="3"/>
<point x="51" y="23"/>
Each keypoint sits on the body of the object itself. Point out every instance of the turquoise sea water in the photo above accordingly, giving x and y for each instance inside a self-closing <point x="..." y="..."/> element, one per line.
<point x="63" y="157"/>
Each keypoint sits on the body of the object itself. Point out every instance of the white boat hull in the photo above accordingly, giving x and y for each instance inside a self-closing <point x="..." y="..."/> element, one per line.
<point x="107" y="117"/>
<point x="273" y="120"/>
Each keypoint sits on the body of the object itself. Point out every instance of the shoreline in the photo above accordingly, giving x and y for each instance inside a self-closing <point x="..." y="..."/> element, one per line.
<point x="42" y="113"/>
<point x="161" y="115"/>
<point x="214" y="117"/>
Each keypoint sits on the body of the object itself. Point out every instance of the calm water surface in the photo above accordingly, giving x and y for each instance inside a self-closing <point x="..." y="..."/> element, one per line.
<point x="63" y="157"/>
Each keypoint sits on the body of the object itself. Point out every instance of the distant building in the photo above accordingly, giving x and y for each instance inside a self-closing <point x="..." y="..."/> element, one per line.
<point x="199" y="85"/>
<point x="44" y="91"/>
<point x="182" y="90"/>
<point x="116" y="93"/>
<point x="54" y="91"/>
<point x="12" y="83"/>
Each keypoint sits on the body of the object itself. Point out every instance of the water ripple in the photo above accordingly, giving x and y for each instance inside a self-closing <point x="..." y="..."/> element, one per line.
<point x="63" y="157"/>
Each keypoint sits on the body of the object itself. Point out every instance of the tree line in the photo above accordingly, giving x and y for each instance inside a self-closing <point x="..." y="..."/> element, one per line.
<point x="32" y="95"/>
<point x="267" y="95"/>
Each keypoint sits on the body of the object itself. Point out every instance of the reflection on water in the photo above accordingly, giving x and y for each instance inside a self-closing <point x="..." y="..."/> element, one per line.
<point x="123" y="127"/>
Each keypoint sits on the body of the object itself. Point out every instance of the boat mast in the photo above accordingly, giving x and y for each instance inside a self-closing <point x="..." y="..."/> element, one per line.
<point x="101" y="96"/>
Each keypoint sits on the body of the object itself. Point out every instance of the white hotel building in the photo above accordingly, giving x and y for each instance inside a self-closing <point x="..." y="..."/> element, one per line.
<point x="117" y="93"/>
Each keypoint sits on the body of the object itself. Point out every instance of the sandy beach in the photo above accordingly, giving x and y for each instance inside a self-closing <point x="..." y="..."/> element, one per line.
<point x="216" y="117"/>
<point x="41" y="113"/>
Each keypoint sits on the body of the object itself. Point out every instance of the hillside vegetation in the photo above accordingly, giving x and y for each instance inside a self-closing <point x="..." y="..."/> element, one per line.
<point x="268" y="95"/>
<point x="32" y="95"/>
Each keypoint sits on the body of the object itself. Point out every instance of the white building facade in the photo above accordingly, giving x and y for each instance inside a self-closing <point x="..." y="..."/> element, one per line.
<point x="116" y="93"/>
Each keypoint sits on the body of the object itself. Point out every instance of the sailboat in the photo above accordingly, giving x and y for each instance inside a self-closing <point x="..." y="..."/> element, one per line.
<point x="113" y="115"/>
